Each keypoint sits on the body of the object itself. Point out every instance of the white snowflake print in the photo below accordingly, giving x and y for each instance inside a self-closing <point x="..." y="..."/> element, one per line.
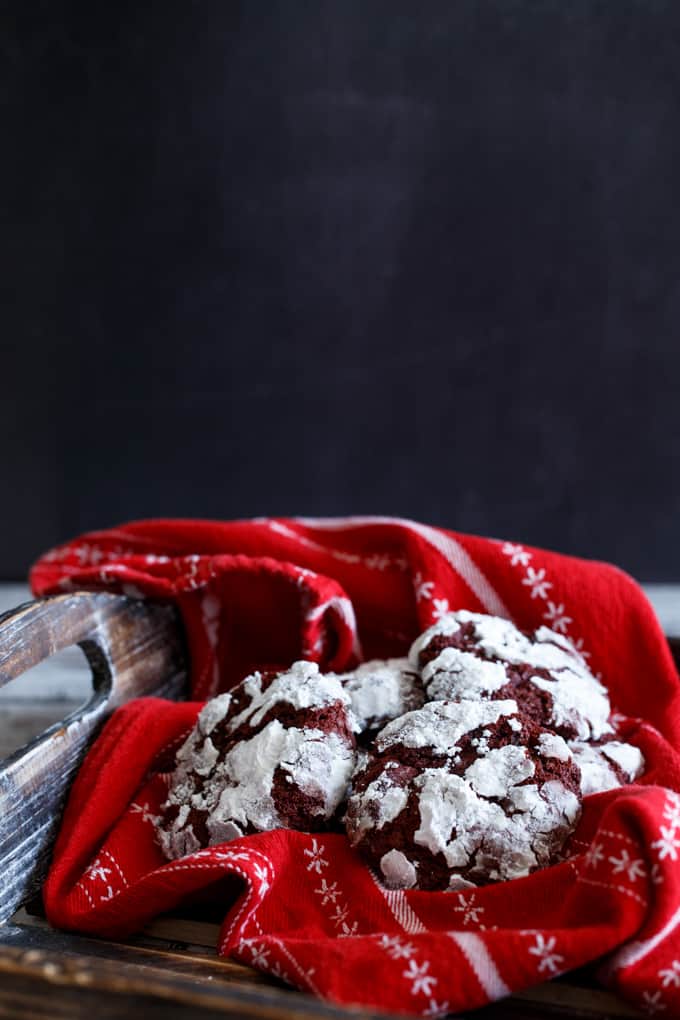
<point x="517" y="553"/>
<point x="671" y="975"/>
<point x="346" y="557"/>
<point x="580" y="648"/>
<point x="348" y="929"/>
<point x="97" y="870"/>
<point x="423" y="589"/>
<point x="55" y="555"/>
<point x="422" y="981"/>
<point x="672" y="809"/>
<point x="318" y="861"/>
<point x="436" y="1008"/>
<point x="557" y="617"/>
<point x="259" y="955"/>
<point x="328" y="893"/>
<point x="262" y="874"/>
<point x="634" y="869"/>
<point x="593" y="855"/>
<point x="340" y="915"/>
<point x="471" y="912"/>
<point x="668" y="845"/>
<point x="377" y="561"/>
<point x="545" y="949"/>
<point x="145" y="811"/>
<point x="652" y="1003"/>
<point x="395" y="948"/>
<point x="535" y="580"/>
<point x="441" y="608"/>
<point x="276" y="971"/>
<point x="88" y="555"/>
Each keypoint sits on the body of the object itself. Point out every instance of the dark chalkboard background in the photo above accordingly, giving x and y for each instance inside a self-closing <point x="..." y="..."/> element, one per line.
<point x="281" y="257"/>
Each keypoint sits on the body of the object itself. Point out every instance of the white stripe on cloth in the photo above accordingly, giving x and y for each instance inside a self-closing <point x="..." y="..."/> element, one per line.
<point x="409" y="921"/>
<point x="451" y="550"/>
<point x="633" y="952"/>
<point x="485" y="970"/>
<point x="402" y="912"/>
<point x="344" y="608"/>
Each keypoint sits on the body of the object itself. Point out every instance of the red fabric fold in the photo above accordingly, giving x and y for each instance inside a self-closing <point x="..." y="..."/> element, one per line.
<point x="304" y="907"/>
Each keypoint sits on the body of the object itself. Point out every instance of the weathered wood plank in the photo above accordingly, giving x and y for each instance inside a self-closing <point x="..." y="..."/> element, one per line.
<point x="134" y="649"/>
<point x="171" y="948"/>
<point x="212" y="985"/>
<point x="186" y="945"/>
<point x="178" y="942"/>
<point x="66" y="966"/>
<point x="21" y="722"/>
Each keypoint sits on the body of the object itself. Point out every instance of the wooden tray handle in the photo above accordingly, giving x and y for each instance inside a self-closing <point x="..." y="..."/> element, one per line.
<point x="135" y="649"/>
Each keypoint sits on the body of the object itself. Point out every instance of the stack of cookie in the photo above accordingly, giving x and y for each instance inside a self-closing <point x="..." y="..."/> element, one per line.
<point x="464" y="764"/>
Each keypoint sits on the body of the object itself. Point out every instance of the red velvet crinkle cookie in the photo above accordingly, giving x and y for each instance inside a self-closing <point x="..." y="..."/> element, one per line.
<point x="463" y="793"/>
<point x="470" y="655"/>
<point x="382" y="690"/>
<point x="607" y="764"/>
<point x="276" y="752"/>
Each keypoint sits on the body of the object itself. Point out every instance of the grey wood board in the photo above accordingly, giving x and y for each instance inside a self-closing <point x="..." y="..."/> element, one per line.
<point x="134" y="649"/>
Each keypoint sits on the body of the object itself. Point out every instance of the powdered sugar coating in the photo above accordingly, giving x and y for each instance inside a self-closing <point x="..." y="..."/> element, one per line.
<point x="457" y="674"/>
<point x="439" y="725"/>
<point x="381" y="690"/>
<point x="300" y="687"/>
<point x="277" y="751"/>
<point x="459" y="793"/>
<point x="446" y="625"/>
<point x="388" y="798"/>
<point x="579" y="705"/>
<point x="397" y="870"/>
<point x="467" y="655"/>
<point x="552" y="746"/>
<point x="608" y="765"/>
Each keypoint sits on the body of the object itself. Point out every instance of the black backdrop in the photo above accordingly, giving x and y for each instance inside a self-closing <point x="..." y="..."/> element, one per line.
<point x="420" y="259"/>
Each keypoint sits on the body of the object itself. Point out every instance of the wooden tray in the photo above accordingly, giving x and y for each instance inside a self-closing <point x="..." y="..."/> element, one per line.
<point x="137" y="649"/>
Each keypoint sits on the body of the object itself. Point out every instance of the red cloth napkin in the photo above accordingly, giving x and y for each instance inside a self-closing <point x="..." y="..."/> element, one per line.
<point x="304" y="907"/>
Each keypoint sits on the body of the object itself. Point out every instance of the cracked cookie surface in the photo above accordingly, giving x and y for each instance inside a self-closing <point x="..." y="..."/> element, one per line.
<point x="382" y="690"/>
<point x="471" y="655"/>
<point x="463" y="793"/>
<point x="276" y="752"/>
<point x="606" y="764"/>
